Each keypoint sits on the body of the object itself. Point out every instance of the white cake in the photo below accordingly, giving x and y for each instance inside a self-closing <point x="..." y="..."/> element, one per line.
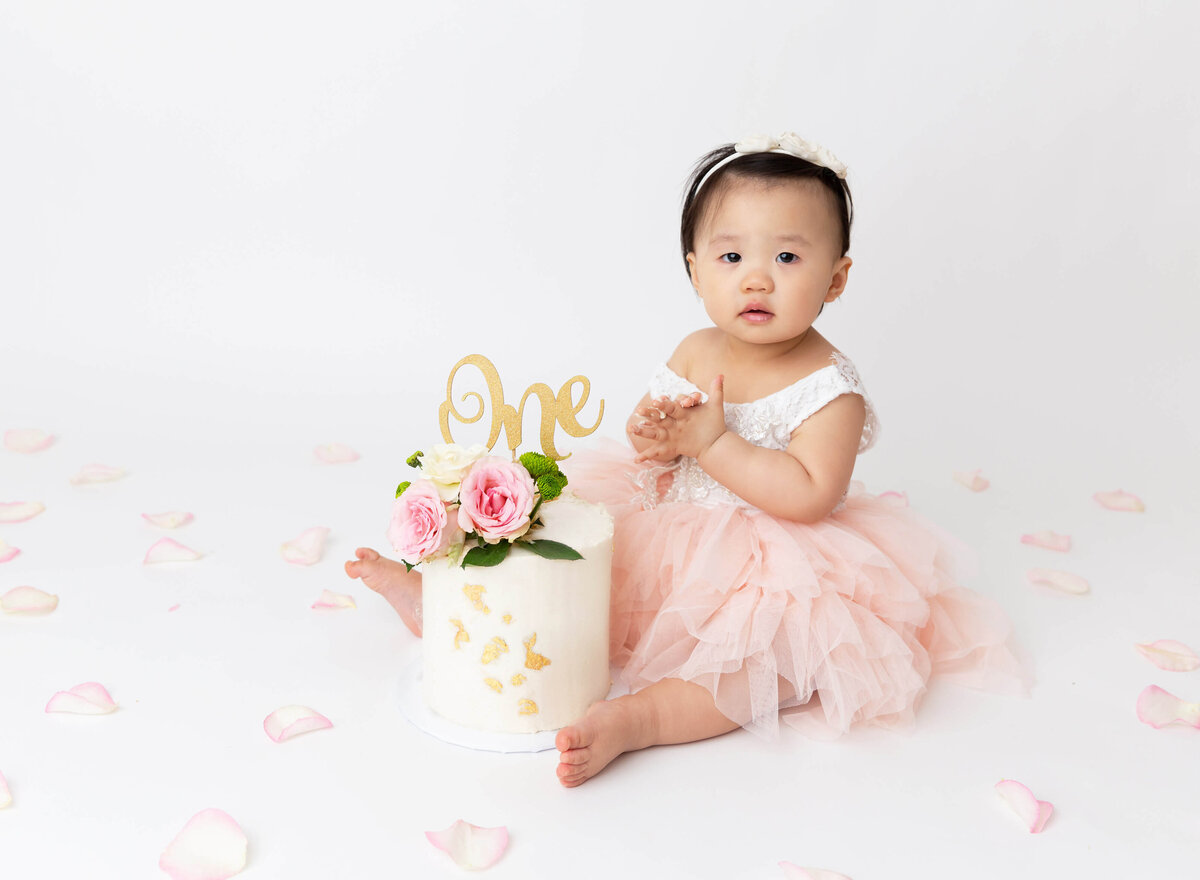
<point x="522" y="646"/>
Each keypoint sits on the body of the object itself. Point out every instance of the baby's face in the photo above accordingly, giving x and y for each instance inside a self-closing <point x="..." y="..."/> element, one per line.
<point x="767" y="257"/>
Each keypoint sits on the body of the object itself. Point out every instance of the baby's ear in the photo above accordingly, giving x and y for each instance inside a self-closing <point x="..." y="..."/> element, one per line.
<point x="837" y="283"/>
<point x="691" y="260"/>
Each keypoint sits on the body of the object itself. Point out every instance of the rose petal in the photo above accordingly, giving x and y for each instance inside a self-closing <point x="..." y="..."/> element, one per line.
<point x="19" y="511"/>
<point x="28" y="600"/>
<point x="7" y="551"/>
<point x="1170" y="655"/>
<point x="172" y="519"/>
<point x="89" y="698"/>
<point x="1033" y="812"/>
<point x="5" y="794"/>
<point x="173" y="608"/>
<point x="1158" y="708"/>
<point x="169" y="550"/>
<point x="795" y="872"/>
<point x="900" y="498"/>
<point x="335" y="453"/>
<point x="334" y="600"/>
<point x="27" y="439"/>
<point x="972" y="480"/>
<point x="211" y="846"/>
<point x="1048" y="541"/>
<point x="306" y="548"/>
<point x="1059" y="580"/>
<point x="469" y="845"/>
<point x="1120" y="500"/>
<point x="288" y="721"/>
<point x="97" y="473"/>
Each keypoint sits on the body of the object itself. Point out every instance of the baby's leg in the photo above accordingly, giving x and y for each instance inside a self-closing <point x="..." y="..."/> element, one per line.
<point x="393" y="581"/>
<point x="666" y="712"/>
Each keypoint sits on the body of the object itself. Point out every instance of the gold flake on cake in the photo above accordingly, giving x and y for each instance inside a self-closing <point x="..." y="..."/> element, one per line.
<point x="518" y="679"/>
<point x="507" y="618"/>
<point x="494" y="649"/>
<point x="534" y="660"/>
<point x="461" y="635"/>
<point x="527" y="707"/>
<point x="475" y="592"/>
<point x="494" y="685"/>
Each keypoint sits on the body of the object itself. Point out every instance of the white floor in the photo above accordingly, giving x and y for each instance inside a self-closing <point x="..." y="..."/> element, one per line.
<point x="102" y="796"/>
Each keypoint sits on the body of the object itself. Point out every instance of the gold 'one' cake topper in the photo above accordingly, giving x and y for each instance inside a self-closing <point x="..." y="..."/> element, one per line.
<point x="557" y="409"/>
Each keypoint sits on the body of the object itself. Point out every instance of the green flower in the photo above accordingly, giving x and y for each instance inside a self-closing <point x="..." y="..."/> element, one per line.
<point x="539" y="465"/>
<point x="414" y="460"/>
<point x="550" y="486"/>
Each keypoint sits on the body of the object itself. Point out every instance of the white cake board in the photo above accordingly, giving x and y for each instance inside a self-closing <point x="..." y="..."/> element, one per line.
<point x="412" y="706"/>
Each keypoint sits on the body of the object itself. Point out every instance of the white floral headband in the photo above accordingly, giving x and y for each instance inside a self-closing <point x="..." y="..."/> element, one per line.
<point x="788" y="142"/>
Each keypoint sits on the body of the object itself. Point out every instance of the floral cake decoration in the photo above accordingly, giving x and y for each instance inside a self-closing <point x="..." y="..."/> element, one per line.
<point x="471" y="507"/>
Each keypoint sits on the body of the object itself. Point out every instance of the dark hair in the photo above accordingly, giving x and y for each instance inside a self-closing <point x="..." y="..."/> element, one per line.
<point x="765" y="167"/>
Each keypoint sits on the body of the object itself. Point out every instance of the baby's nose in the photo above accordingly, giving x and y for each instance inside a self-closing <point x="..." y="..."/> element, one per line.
<point x="757" y="281"/>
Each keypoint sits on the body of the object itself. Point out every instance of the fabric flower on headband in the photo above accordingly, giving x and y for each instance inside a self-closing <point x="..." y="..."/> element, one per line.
<point x="793" y="145"/>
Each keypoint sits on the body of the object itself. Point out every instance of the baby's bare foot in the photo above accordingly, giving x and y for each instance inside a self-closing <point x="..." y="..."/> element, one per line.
<point x="590" y="744"/>
<point x="393" y="581"/>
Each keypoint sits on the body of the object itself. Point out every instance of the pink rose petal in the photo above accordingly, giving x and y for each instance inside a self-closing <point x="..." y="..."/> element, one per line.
<point x="19" y="511"/>
<point x="900" y="498"/>
<point x="1158" y="708"/>
<point x="211" y="846"/>
<point x="1033" y="812"/>
<point x="28" y="600"/>
<point x="972" y="480"/>
<point x="330" y="599"/>
<point x="795" y="872"/>
<point x="1059" y="580"/>
<point x="172" y="519"/>
<point x="173" y="608"/>
<point x="1120" y="500"/>
<point x="7" y="551"/>
<point x="169" y="550"/>
<point x="89" y="698"/>
<point x="97" y="473"/>
<point x="335" y="453"/>
<point x="306" y="548"/>
<point x="27" y="440"/>
<point x="1048" y="541"/>
<point x="5" y="794"/>
<point x="469" y="845"/>
<point x="288" y="721"/>
<point x="1170" y="655"/>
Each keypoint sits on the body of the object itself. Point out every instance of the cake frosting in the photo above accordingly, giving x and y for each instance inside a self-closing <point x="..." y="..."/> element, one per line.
<point x="522" y="646"/>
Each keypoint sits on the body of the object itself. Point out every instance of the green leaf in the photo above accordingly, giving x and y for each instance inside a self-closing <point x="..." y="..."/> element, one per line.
<point x="487" y="554"/>
<point x="552" y="550"/>
<point x="538" y="465"/>
<point x="537" y="505"/>
<point x="400" y="489"/>
<point x="414" y="460"/>
<point x="408" y="564"/>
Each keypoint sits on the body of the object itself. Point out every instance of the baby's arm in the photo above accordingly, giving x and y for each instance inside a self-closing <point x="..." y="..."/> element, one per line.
<point x="803" y="483"/>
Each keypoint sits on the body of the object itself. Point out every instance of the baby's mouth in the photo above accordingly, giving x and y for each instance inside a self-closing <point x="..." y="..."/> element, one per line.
<point x="756" y="313"/>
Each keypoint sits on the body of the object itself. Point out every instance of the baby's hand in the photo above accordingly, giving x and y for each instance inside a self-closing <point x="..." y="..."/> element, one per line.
<point x="683" y="426"/>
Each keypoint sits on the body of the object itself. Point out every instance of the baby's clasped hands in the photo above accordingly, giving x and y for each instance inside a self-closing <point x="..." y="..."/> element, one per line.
<point x="683" y="426"/>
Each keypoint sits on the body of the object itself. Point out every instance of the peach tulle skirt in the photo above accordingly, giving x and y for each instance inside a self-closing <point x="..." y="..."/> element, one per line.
<point x="846" y="618"/>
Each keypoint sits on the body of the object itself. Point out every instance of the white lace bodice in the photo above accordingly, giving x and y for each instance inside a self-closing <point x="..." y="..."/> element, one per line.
<point x="768" y="422"/>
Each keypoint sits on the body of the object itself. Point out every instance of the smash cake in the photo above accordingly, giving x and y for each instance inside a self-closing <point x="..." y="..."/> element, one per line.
<point x="515" y="582"/>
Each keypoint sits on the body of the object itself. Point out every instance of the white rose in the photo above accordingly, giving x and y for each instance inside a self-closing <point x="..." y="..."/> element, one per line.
<point x="448" y="464"/>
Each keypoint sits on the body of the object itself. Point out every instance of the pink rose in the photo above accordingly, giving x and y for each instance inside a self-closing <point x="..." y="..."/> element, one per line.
<point x="418" y="527"/>
<point x="495" y="499"/>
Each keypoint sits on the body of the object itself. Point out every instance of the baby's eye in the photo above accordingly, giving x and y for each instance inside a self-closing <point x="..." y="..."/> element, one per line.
<point x="731" y="258"/>
<point x="787" y="257"/>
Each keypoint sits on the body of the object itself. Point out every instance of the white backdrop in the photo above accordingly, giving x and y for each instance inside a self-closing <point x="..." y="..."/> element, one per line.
<point x="230" y="231"/>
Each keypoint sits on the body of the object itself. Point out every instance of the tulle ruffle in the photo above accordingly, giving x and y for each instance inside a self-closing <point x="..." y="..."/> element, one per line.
<point x="846" y="618"/>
